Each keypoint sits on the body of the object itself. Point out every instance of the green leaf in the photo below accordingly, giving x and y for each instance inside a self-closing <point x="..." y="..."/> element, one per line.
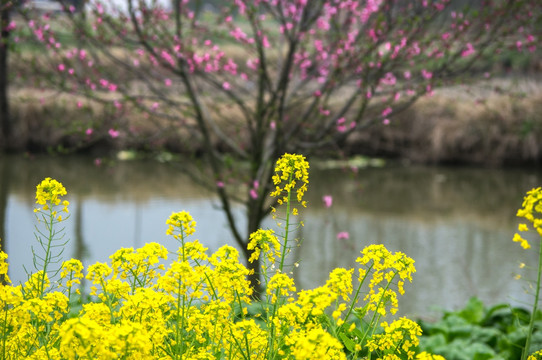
<point x="348" y="343"/>
<point x="473" y="311"/>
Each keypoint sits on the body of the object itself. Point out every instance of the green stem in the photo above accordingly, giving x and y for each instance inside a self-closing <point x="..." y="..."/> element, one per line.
<point x="179" y="324"/>
<point x="286" y="226"/>
<point x="535" y="305"/>
<point x="4" y="333"/>
<point x="376" y="315"/>
<point x="355" y="300"/>
<point x="46" y="260"/>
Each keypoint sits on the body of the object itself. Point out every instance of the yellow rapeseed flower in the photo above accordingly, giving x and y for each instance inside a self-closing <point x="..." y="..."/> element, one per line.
<point x="289" y="170"/>
<point x="280" y="284"/>
<point x="181" y="222"/>
<point x="48" y="191"/>
<point x="531" y="211"/>
<point x="399" y="337"/>
<point x="266" y="241"/>
<point x="535" y="356"/>
<point x="73" y="270"/>
<point x="48" y="195"/>
<point x="315" y="343"/>
<point x="4" y="267"/>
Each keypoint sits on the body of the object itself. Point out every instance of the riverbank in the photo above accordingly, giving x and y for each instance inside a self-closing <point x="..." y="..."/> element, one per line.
<point x="495" y="123"/>
<point x="492" y="124"/>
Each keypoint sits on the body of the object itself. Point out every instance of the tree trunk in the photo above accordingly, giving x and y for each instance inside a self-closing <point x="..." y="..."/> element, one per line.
<point x="255" y="216"/>
<point x="4" y="192"/>
<point x="5" y="119"/>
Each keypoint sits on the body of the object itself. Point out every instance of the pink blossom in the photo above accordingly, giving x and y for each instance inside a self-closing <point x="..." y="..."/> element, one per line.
<point x="253" y="63"/>
<point x="97" y="161"/>
<point x="220" y="184"/>
<point x="167" y="57"/>
<point x="427" y="74"/>
<point x="253" y="194"/>
<point x="341" y="127"/>
<point x="89" y="131"/>
<point x="386" y="121"/>
<point x="273" y="125"/>
<point x="265" y="42"/>
<point x="468" y="51"/>
<point x="328" y="200"/>
<point x="324" y="112"/>
<point x="238" y="34"/>
<point x="167" y="82"/>
<point x="388" y="79"/>
<point x="154" y="106"/>
<point x="386" y="111"/>
<point x="113" y="133"/>
<point x="61" y="67"/>
<point x="226" y="85"/>
<point x="112" y="87"/>
<point x="11" y="26"/>
<point x="343" y="235"/>
<point x="79" y="104"/>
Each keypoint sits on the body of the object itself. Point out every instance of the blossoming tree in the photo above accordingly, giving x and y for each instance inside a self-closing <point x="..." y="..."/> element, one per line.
<point x="249" y="80"/>
<point x="5" y="29"/>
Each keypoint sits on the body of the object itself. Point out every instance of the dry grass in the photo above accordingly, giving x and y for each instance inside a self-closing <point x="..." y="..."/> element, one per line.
<point x="461" y="125"/>
<point x="482" y="125"/>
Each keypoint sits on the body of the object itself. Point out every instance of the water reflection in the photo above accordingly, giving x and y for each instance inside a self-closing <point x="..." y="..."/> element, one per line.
<point x="456" y="223"/>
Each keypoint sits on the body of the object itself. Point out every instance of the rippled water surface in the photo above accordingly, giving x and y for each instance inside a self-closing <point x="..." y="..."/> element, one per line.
<point x="457" y="223"/>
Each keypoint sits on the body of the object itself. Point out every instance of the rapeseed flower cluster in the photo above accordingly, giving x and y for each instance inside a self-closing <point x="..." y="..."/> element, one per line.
<point x="385" y="267"/>
<point x="532" y="212"/>
<point x="400" y="337"/>
<point x="48" y="194"/>
<point x="290" y="170"/>
<point x="181" y="224"/>
<point x="201" y="306"/>
<point x="266" y="241"/>
<point x="535" y="356"/>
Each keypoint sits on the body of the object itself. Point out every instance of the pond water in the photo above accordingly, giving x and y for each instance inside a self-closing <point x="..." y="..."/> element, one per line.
<point x="457" y="223"/>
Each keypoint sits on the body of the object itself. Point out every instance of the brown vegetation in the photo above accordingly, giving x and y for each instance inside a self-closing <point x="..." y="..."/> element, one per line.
<point x="495" y="124"/>
<point x="476" y="125"/>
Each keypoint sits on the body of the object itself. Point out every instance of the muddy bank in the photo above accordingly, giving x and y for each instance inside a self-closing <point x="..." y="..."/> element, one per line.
<point x="498" y="123"/>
